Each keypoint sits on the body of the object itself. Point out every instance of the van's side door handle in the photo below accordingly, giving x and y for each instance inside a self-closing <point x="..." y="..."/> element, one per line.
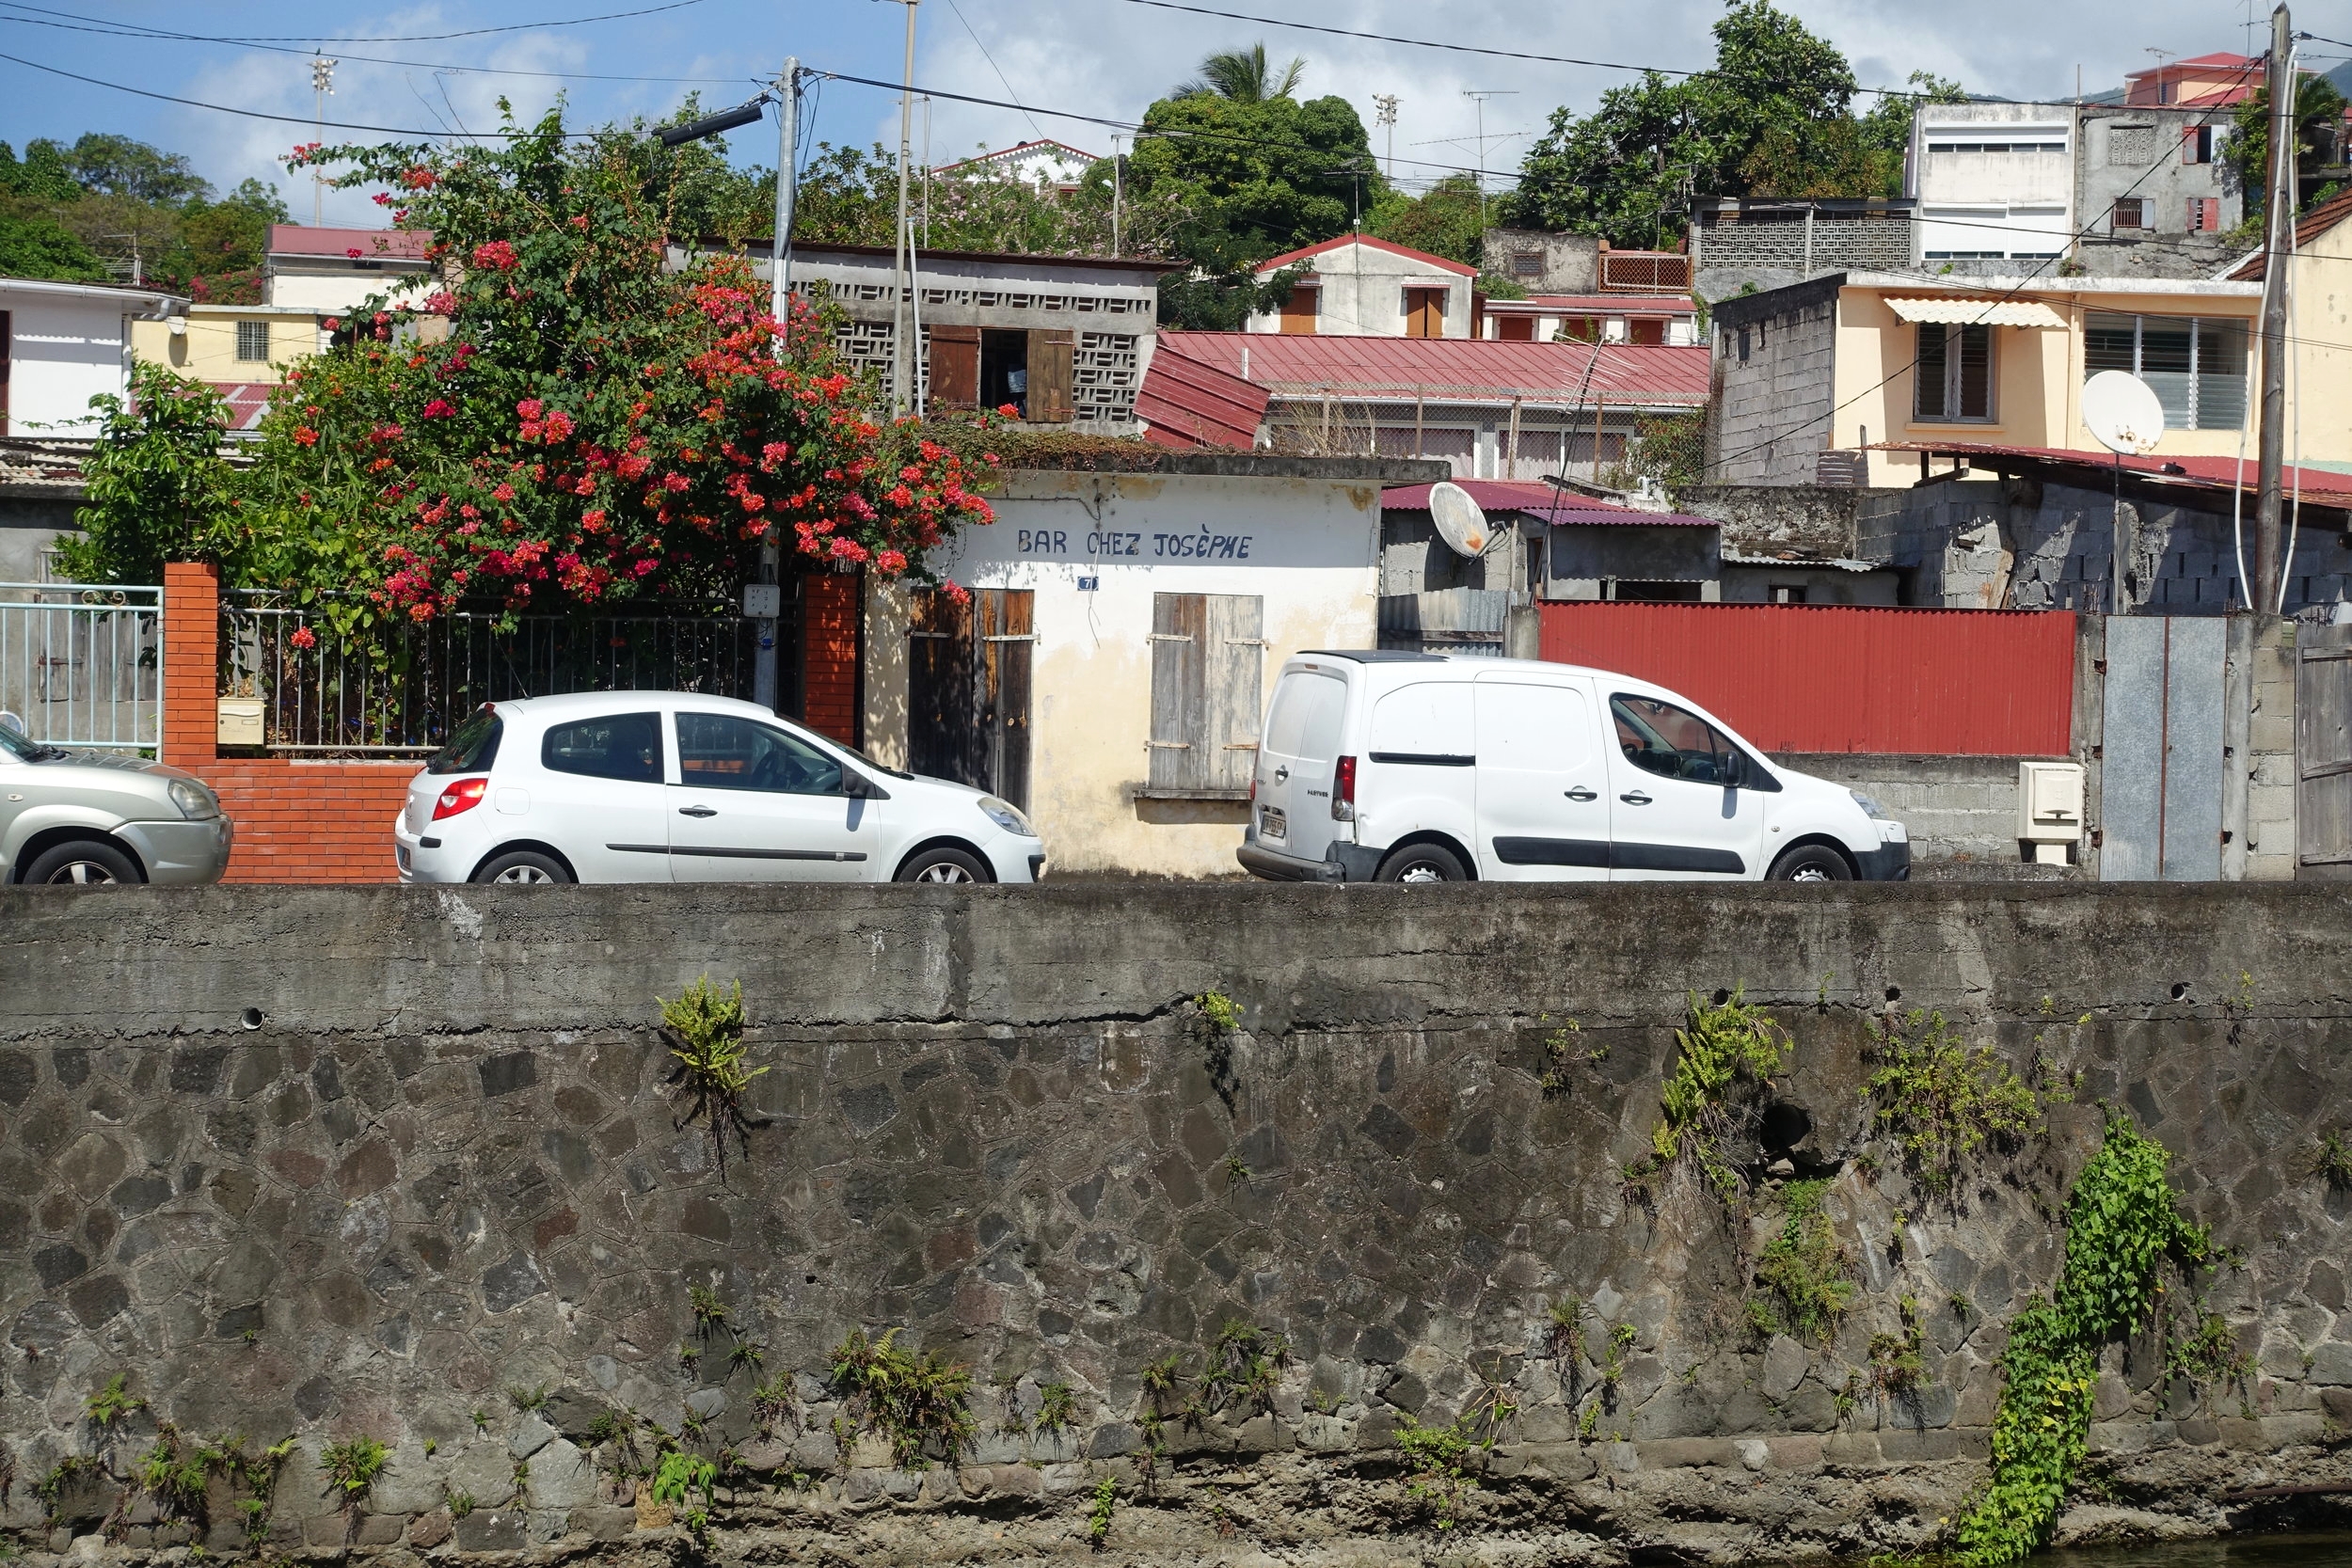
<point x="1282" y="773"/>
<point x="696" y="811"/>
<point x="1634" y="797"/>
<point x="1581" y="793"/>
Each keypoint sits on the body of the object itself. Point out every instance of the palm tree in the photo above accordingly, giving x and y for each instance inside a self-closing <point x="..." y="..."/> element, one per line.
<point x="1243" y="76"/>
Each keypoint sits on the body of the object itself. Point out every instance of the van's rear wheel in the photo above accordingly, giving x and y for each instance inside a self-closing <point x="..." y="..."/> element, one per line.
<point x="1422" y="862"/>
<point x="1811" y="863"/>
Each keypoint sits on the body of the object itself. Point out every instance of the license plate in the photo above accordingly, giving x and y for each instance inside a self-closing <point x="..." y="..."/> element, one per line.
<point x="1273" y="822"/>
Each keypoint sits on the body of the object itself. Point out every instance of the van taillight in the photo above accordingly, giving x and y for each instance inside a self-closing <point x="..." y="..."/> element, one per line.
<point x="1343" y="790"/>
<point x="464" y="795"/>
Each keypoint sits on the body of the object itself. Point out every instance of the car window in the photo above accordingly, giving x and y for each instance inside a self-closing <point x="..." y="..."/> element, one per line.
<point x="474" y="747"/>
<point x="717" y="751"/>
<point x="1308" y="707"/>
<point x="1672" y="743"/>
<point x="614" y="746"/>
<point x="17" y="746"/>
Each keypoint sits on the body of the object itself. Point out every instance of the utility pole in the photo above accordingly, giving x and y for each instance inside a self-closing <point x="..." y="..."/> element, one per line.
<point x="1115" y="183"/>
<point x="322" y="89"/>
<point x="780" y="306"/>
<point x="1385" y="102"/>
<point x="2278" y="234"/>
<point x="902" y="328"/>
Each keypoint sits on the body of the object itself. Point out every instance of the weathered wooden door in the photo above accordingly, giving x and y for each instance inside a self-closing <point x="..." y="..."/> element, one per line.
<point x="955" y="367"/>
<point x="968" y="689"/>
<point x="2323" y="753"/>
<point x="1051" y="357"/>
<point x="1208" y="673"/>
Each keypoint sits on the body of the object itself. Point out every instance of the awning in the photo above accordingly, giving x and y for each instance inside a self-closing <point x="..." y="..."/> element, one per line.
<point x="1979" y="312"/>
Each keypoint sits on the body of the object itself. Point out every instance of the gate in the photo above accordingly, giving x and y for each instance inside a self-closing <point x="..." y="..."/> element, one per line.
<point x="2323" y="753"/>
<point x="968" y="689"/>
<point x="2161" y="769"/>
<point x="82" y="665"/>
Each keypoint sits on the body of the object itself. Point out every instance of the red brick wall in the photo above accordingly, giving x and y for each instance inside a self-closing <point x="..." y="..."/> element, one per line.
<point x="297" y="821"/>
<point x="829" y="701"/>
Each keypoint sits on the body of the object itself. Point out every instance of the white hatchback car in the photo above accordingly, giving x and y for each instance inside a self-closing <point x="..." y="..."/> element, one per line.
<point x="668" y="786"/>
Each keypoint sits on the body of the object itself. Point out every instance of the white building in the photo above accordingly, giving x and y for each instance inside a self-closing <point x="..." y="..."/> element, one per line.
<point x="1993" y="181"/>
<point x="62" y="345"/>
<point x="1363" y="287"/>
<point x="333" y="271"/>
<point x="1044" y="162"/>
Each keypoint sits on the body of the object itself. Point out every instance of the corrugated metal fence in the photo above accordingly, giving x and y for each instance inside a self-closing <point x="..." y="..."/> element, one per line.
<point x="1842" y="678"/>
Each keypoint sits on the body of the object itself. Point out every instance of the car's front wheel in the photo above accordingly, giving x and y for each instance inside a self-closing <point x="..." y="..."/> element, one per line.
<point x="1811" y="863"/>
<point x="1422" y="862"/>
<point x="953" y="866"/>
<point x="523" y="868"/>
<point x="82" y="862"/>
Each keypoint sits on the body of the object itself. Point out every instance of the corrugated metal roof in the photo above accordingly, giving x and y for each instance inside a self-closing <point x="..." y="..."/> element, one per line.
<point x="1304" y="252"/>
<point x="248" y="402"/>
<point x="1189" y="403"/>
<point x="1457" y="369"/>
<point x="1601" y="304"/>
<point x="1954" y="309"/>
<point x="298" y="239"/>
<point x="2320" y="486"/>
<point x="1541" y="502"/>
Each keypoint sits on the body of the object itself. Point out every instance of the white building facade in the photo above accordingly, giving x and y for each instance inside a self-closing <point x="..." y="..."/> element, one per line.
<point x="62" y="345"/>
<point x="1362" y="286"/>
<point x="1995" y="181"/>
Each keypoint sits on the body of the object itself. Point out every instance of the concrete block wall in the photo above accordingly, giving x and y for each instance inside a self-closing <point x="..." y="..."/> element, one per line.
<point x="1770" y="423"/>
<point x="1958" y="811"/>
<point x="2270" y="764"/>
<point x="1838" y="244"/>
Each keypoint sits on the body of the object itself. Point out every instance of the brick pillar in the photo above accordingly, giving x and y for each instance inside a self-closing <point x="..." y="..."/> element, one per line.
<point x="829" y="617"/>
<point x="190" y="663"/>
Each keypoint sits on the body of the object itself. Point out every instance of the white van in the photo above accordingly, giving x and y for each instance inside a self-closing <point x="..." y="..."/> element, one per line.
<point x="1417" y="768"/>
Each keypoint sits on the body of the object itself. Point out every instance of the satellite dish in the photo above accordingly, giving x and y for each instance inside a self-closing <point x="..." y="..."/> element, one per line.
<point x="2122" y="412"/>
<point x="1460" y="522"/>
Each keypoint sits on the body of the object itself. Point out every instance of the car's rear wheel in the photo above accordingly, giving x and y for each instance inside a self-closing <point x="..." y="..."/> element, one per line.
<point x="1811" y="863"/>
<point x="1422" y="862"/>
<point x="523" y="868"/>
<point x="82" y="862"/>
<point x="953" y="866"/>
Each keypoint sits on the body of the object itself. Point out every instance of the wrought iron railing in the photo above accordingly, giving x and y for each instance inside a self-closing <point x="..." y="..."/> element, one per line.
<point x="82" y="665"/>
<point x="401" y="686"/>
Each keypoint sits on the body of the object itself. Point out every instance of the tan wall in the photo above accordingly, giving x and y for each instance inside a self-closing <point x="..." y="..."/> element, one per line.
<point x="208" y="349"/>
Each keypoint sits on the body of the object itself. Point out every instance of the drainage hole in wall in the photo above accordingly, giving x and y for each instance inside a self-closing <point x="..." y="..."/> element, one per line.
<point x="1721" y="996"/>
<point x="2180" y="991"/>
<point x="251" y="1018"/>
<point x="1894" y="993"/>
<point x="1785" y="1126"/>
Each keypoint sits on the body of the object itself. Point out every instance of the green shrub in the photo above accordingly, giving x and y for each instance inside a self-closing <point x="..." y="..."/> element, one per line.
<point x="922" y="1403"/>
<point x="1105" y="1498"/>
<point x="1726" y="1045"/>
<point x="1436" y="1477"/>
<point x="1804" y="1269"/>
<point x="1943" y="1100"/>
<point x="705" y="1026"/>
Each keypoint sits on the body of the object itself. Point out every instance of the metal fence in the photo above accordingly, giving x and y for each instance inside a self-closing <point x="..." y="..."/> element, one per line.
<point x="402" y="687"/>
<point x="82" y="665"/>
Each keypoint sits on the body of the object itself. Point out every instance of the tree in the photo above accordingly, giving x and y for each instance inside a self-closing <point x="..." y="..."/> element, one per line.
<point x="34" y="244"/>
<point x="154" y="480"/>
<point x="1243" y="76"/>
<point x="2318" y="106"/>
<point x="118" y="166"/>
<point x="1774" y="111"/>
<point x="1448" y="219"/>
<point x="41" y="175"/>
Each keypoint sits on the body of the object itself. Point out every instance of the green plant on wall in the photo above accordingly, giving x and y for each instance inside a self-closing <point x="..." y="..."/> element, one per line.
<point x="2330" y="1160"/>
<point x="1942" y="1099"/>
<point x="2123" y="1229"/>
<point x="1216" y="1020"/>
<point x="111" y="1404"/>
<point x="1562" y="1052"/>
<point x="1244" y="1366"/>
<point x="1056" y="1407"/>
<point x="684" y="1481"/>
<point x="174" y="1477"/>
<point x="351" y="1467"/>
<point x="920" y="1403"/>
<point x="1898" y="1364"/>
<point x="1726" y="1045"/>
<point x="705" y="1028"/>
<point x="1437" y="1477"/>
<point x="1104" y="1499"/>
<point x="1804" y="1272"/>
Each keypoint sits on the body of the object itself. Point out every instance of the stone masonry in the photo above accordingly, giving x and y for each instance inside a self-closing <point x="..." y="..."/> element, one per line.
<point x="411" y="1165"/>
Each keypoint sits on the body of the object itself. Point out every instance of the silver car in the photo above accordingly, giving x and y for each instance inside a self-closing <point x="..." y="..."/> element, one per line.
<point x="97" y="817"/>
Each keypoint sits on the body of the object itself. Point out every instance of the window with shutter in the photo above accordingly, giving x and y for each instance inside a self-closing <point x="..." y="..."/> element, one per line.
<point x="1208" y="663"/>
<point x="1050" y="358"/>
<point x="955" y="367"/>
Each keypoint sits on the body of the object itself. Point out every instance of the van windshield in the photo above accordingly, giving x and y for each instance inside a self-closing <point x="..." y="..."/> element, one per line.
<point x="1305" y="722"/>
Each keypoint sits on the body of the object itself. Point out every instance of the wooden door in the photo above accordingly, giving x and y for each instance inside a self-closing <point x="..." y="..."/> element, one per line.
<point x="1003" y="619"/>
<point x="942" y="735"/>
<point x="968" y="683"/>
<point x="955" y="367"/>
<point x="1049" y="374"/>
<point x="1424" y="313"/>
<point x="2323" y="753"/>
<point x="1515" y="329"/>
<point x="1300" y="312"/>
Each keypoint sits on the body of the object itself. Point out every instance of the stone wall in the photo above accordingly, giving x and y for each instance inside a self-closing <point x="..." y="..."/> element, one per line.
<point x="409" y="1163"/>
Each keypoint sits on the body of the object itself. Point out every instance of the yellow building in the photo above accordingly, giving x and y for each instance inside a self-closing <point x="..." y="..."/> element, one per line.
<point x="230" y="344"/>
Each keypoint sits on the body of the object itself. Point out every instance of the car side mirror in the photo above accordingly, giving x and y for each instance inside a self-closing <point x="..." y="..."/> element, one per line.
<point x="857" y="786"/>
<point x="1735" y="770"/>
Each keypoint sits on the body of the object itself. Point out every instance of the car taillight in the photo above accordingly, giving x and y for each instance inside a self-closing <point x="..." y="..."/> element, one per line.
<point x="1343" y="790"/>
<point x="464" y="795"/>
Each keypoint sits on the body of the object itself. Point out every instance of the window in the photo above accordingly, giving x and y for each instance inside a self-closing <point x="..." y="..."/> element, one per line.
<point x="2197" y="145"/>
<point x="1424" y="313"/>
<point x="1996" y="146"/>
<point x="1299" y="311"/>
<point x="2197" y="368"/>
<point x="717" y="751"/>
<point x="1672" y="743"/>
<point x="2131" y="146"/>
<point x="1208" y="664"/>
<point x="2131" y="212"/>
<point x="1953" y="377"/>
<point x="2205" y="214"/>
<point x="1527" y="263"/>
<point x="625" y="746"/>
<point x="1787" y="593"/>
<point x="253" y="343"/>
<point x="473" y="748"/>
<point x="1743" y="345"/>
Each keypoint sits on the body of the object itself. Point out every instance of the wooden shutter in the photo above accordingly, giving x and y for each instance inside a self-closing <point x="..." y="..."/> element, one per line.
<point x="942" y="734"/>
<point x="1235" y="673"/>
<point x="955" y="367"/>
<point x="1180" y="731"/>
<point x="1300" y="310"/>
<point x="1050" y="355"/>
<point x="2323" y="723"/>
<point x="1006" y="623"/>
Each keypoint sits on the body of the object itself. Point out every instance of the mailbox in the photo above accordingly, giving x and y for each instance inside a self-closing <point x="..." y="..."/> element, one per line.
<point x="238" y="722"/>
<point x="2050" y="808"/>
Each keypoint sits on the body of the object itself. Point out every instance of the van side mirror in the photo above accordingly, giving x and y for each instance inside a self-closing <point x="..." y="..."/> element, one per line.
<point x="857" y="786"/>
<point x="1735" y="769"/>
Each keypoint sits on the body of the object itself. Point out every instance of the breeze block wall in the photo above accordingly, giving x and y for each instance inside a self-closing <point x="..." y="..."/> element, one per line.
<point x="413" y="1166"/>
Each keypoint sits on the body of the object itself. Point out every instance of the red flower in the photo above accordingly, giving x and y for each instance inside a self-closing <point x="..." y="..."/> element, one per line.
<point x="354" y="253"/>
<point x="495" y="255"/>
<point x="891" y="562"/>
<point x="631" y="466"/>
<point x="579" y="220"/>
<point x="957" y="591"/>
<point x="304" y="638"/>
<point x="503" y="493"/>
<point x="306" y="436"/>
<point x="530" y="408"/>
<point x="1011" y="411"/>
<point x="440" y="408"/>
<point x="420" y="179"/>
<point x="382" y="199"/>
<point x="559" y="425"/>
<point x="334" y="323"/>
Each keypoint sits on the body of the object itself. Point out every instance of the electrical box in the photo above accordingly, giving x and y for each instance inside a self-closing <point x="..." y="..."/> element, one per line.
<point x="2050" y="808"/>
<point x="238" y="722"/>
<point x="763" y="601"/>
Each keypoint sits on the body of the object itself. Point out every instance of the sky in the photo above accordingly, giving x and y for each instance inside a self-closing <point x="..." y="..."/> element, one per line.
<point x="1107" y="59"/>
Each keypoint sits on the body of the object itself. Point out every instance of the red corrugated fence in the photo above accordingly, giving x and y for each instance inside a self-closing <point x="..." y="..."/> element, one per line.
<point x="1843" y="678"/>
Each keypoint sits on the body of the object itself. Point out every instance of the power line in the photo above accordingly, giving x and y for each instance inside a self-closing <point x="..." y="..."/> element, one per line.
<point x="437" y="38"/>
<point x="159" y="35"/>
<point x="997" y="68"/>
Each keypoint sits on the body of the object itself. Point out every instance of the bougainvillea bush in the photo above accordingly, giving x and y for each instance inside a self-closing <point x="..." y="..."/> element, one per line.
<point x="566" y="421"/>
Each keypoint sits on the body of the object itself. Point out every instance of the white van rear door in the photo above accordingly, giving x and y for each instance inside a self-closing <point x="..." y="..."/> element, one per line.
<point x="1543" y="784"/>
<point x="1296" y="761"/>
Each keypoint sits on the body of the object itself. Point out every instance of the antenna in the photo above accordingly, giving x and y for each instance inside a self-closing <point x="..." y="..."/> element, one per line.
<point x="1479" y="97"/>
<point x="323" y="88"/>
<point x="1460" y="521"/>
<point x="1385" y="102"/>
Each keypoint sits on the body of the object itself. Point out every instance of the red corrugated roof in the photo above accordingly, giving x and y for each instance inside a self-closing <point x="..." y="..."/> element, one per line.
<point x="1366" y="240"/>
<point x="2308" y="227"/>
<point x="294" y="239"/>
<point x="1186" y="402"/>
<point x="248" y="402"/>
<point x="1540" y="500"/>
<point x="1456" y="370"/>
<point x="1638" y="305"/>
<point x="2320" y="486"/>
